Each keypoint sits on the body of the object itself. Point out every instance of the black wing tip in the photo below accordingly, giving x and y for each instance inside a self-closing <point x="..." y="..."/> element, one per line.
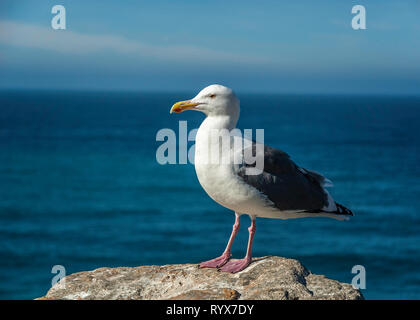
<point x="342" y="210"/>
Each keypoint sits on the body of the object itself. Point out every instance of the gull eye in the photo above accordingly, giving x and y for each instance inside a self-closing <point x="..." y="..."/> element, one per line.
<point x="212" y="96"/>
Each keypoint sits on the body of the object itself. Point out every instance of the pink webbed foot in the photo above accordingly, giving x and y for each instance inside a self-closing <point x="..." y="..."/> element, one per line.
<point x="215" y="263"/>
<point x="234" y="266"/>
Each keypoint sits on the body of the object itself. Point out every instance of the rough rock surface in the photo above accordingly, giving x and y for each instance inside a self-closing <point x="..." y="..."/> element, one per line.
<point x="268" y="278"/>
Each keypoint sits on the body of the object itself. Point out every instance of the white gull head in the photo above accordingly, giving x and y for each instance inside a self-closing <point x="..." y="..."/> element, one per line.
<point x="214" y="100"/>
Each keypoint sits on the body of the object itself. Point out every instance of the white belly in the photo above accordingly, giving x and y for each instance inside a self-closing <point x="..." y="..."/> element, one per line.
<point x="221" y="185"/>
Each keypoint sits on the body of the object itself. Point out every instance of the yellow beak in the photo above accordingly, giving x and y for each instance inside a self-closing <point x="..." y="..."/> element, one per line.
<point x="182" y="106"/>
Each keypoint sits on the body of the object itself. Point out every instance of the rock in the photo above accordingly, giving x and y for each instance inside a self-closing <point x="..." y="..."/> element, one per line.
<point x="267" y="278"/>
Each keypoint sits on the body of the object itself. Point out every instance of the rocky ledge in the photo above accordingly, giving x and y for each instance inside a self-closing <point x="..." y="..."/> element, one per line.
<point x="267" y="278"/>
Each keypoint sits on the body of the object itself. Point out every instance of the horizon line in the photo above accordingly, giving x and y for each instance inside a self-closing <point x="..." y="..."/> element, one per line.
<point x="177" y="91"/>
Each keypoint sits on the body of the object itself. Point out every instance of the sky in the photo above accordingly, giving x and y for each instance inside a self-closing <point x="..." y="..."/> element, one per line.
<point x="251" y="46"/>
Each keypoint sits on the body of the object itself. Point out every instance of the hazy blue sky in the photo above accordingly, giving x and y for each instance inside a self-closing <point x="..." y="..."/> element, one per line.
<point x="259" y="46"/>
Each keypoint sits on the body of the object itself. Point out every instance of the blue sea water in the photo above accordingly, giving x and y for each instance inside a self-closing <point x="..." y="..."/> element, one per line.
<point x="80" y="187"/>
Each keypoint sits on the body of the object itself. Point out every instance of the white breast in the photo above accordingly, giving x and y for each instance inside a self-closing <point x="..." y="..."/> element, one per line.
<point x="219" y="179"/>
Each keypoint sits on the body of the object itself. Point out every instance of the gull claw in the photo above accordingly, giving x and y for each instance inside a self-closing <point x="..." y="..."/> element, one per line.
<point x="235" y="266"/>
<point x="216" y="262"/>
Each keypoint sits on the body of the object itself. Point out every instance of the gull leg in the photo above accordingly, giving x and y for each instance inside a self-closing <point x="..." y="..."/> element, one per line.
<point x="239" y="265"/>
<point x="220" y="261"/>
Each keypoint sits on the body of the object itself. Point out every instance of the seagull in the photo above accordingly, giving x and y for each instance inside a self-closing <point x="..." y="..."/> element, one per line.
<point x="280" y="190"/>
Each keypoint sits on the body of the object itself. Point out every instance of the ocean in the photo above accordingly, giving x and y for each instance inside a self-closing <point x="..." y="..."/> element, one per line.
<point x="80" y="187"/>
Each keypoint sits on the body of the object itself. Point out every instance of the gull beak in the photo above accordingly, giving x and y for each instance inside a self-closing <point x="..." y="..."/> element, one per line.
<point x="182" y="106"/>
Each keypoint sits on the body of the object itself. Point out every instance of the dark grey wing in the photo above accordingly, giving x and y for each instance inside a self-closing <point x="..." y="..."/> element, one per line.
<point x="286" y="185"/>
